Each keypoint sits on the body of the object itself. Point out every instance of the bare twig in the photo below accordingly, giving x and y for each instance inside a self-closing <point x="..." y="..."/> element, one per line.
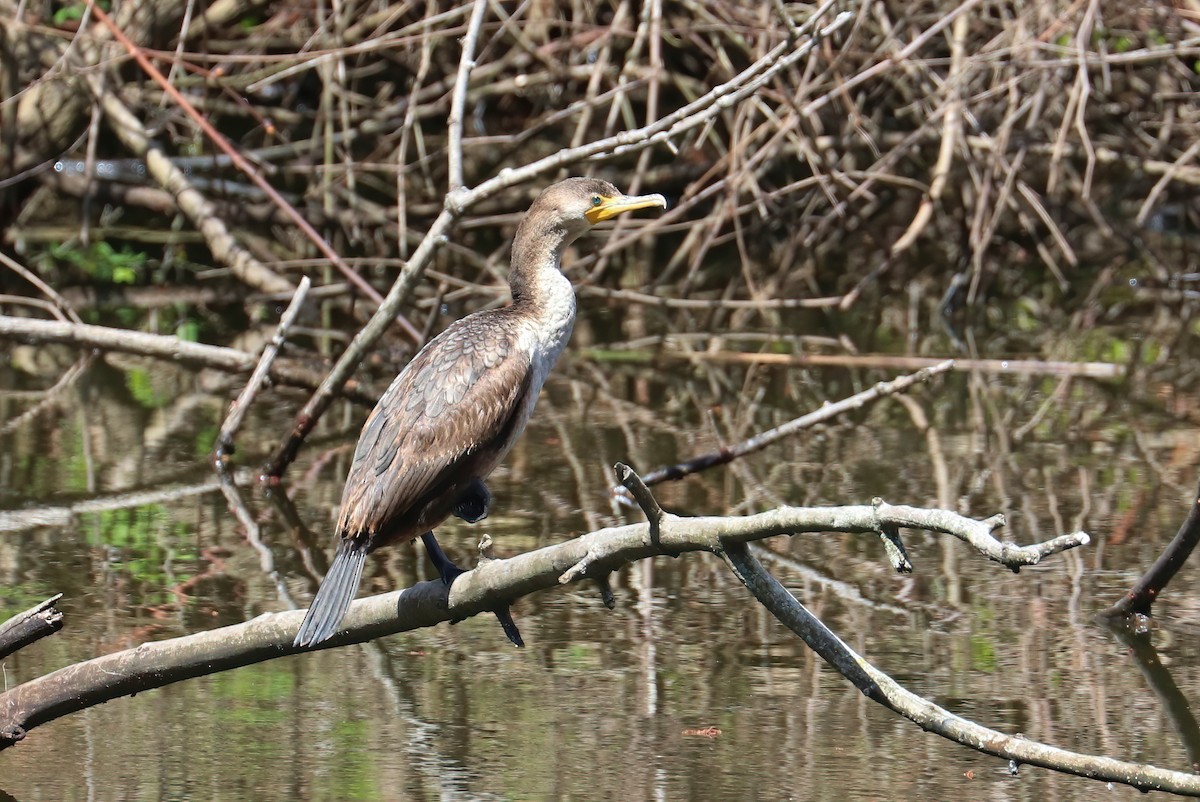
<point x="951" y="131"/>
<point x="1013" y="367"/>
<point x="459" y="99"/>
<point x="690" y="116"/>
<point x="239" y="161"/>
<point x="239" y="408"/>
<point x="61" y="304"/>
<point x="764" y="439"/>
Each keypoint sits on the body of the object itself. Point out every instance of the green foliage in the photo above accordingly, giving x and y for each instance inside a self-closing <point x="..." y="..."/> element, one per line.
<point x="74" y="12"/>
<point x="1028" y="317"/>
<point x="983" y="653"/>
<point x="189" y="330"/>
<point x="22" y="596"/>
<point x="147" y="536"/>
<point x="102" y="262"/>
<point x="142" y="388"/>
<point x="206" y="438"/>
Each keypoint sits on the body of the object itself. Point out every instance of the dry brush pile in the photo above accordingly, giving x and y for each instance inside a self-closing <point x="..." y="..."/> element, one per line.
<point x="971" y="150"/>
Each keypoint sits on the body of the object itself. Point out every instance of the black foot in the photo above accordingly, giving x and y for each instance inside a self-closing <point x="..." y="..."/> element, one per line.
<point x="474" y="502"/>
<point x="504" y="616"/>
<point x="448" y="571"/>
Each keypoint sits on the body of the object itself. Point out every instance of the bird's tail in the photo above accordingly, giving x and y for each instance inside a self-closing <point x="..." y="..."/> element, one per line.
<point x="335" y="594"/>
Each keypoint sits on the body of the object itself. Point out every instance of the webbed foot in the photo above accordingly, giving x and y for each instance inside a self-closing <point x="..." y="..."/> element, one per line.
<point x="474" y="502"/>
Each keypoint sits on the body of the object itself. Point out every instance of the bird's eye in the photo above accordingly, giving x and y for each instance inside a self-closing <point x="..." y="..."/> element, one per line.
<point x="596" y="201"/>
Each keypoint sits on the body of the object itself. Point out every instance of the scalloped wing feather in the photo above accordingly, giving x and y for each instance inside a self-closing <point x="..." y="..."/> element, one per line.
<point x="458" y="396"/>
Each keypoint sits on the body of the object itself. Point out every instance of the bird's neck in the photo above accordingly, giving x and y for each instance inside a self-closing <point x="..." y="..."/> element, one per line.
<point x="535" y="272"/>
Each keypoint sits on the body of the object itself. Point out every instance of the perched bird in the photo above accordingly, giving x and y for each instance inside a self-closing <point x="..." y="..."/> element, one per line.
<point x="456" y="409"/>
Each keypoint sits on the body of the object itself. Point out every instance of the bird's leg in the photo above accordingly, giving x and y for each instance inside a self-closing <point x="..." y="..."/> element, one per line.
<point x="474" y="502"/>
<point x="448" y="571"/>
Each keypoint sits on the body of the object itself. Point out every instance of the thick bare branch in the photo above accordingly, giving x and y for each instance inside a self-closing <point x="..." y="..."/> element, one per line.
<point x="491" y="584"/>
<point x="161" y="346"/>
<point x="32" y="625"/>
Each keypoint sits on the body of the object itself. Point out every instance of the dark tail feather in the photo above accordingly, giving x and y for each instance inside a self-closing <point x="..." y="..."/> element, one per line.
<point x="335" y="594"/>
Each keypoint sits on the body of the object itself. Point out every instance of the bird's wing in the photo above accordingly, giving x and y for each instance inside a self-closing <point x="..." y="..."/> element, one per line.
<point x="457" y="397"/>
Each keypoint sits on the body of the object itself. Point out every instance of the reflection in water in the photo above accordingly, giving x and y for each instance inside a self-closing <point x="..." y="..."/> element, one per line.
<point x="687" y="689"/>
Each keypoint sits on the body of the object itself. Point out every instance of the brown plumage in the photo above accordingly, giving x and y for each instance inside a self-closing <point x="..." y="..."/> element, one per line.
<point x="457" y="408"/>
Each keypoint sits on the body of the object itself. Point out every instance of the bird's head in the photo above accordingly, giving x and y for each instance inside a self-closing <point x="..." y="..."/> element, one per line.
<point x="577" y="204"/>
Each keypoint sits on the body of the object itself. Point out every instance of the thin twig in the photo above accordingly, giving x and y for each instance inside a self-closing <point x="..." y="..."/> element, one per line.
<point x="239" y="408"/>
<point x="244" y="166"/>
<point x="762" y="440"/>
<point x="466" y="63"/>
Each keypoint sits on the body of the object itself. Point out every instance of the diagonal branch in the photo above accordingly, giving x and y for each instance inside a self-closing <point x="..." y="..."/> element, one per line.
<point x="828" y="411"/>
<point x="686" y="118"/>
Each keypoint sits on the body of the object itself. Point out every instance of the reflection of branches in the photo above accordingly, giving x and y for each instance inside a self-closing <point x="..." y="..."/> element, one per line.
<point x="266" y="560"/>
<point x="1174" y="703"/>
<point x="883" y="689"/>
<point x="491" y="584"/>
<point x="1141" y="596"/>
<point x="764" y="439"/>
<point x="50" y="398"/>
<point x="64" y="515"/>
